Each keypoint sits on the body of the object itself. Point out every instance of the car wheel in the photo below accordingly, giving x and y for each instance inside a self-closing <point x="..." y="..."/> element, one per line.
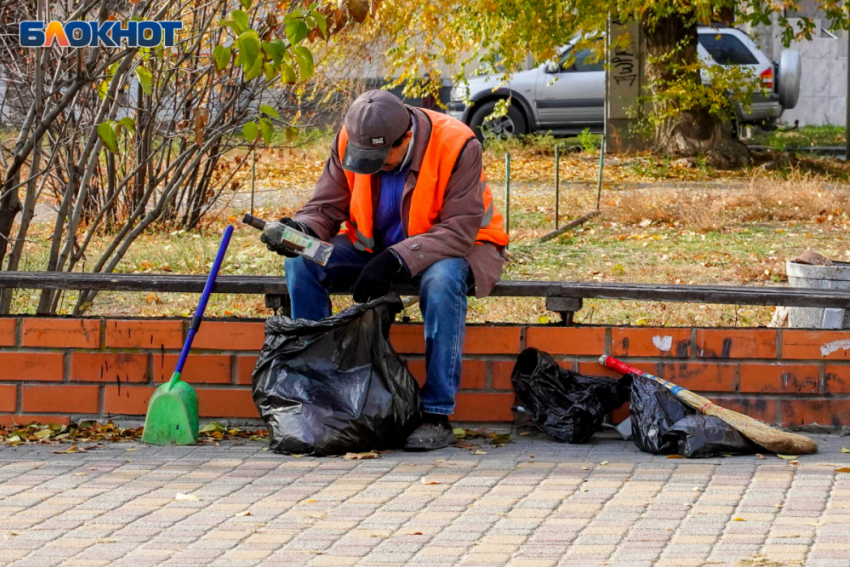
<point x="510" y="125"/>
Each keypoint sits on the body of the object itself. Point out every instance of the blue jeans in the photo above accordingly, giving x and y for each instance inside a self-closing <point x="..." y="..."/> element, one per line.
<point x="442" y="292"/>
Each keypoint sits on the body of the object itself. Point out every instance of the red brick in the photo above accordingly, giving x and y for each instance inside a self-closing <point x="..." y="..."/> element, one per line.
<point x="620" y="414"/>
<point x="473" y="375"/>
<point x="199" y="368"/>
<point x="767" y="378"/>
<point x="144" y="333"/>
<point x="8" y="398"/>
<point x="126" y="400"/>
<point x="226" y="335"/>
<point x="822" y="412"/>
<point x="487" y="339"/>
<point x="226" y="403"/>
<point x="39" y="366"/>
<point x="837" y="379"/>
<point x="245" y="369"/>
<point x="736" y="343"/>
<point x="502" y="370"/>
<point x="60" y="333"/>
<point x="483" y="407"/>
<point x="596" y="369"/>
<point x="654" y="342"/>
<point x="26" y="419"/>
<point x="61" y="399"/>
<point x="815" y="345"/>
<point x="408" y="339"/>
<point x="700" y="376"/>
<point x="108" y="367"/>
<point x="758" y="408"/>
<point x="583" y="341"/>
<point x="7" y="331"/>
<point x="417" y="368"/>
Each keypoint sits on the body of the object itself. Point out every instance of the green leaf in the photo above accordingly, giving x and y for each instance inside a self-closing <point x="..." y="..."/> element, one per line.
<point x="269" y="71"/>
<point x="241" y="20"/>
<point x="305" y="61"/>
<point x="296" y="31"/>
<point x="275" y="49"/>
<point x="245" y="4"/>
<point x="145" y="79"/>
<point x="250" y="131"/>
<point x="290" y="133"/>
<point x="233" y="26"/>
<point x="107" y="135"/>
<point x="321" y="22"/>
<point x="128" y="123"/>
<point x="212" y="427"/>
<point x="249" y="44"/>
<point x="255" y="69"/>
<point x="269" y="111"/>
<point x="266" y="129"/>
<point x="287" y="74"/>
<point x="221" y="55"/>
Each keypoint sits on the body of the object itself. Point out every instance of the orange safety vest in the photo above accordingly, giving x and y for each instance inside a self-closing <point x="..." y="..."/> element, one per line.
<point x="448" y="138"/>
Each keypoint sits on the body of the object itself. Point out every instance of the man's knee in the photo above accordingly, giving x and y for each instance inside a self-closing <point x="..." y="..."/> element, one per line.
<point x="450" y="275"/>
<point x="299" y="268"/>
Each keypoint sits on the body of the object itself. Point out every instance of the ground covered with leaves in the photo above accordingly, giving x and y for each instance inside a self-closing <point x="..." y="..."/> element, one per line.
<point x="662" y="221"/>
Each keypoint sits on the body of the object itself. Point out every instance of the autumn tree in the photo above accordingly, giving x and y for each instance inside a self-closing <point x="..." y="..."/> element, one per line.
<point x="687" y="115"/>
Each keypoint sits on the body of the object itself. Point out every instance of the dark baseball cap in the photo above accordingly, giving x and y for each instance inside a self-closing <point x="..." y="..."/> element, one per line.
<point x="374" y="122"/>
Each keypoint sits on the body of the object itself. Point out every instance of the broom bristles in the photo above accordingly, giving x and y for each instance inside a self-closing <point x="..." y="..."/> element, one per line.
<point x="774" y="440"/>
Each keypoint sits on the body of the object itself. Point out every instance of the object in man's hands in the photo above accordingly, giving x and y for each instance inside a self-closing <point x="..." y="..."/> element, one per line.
<point x="774" y="440"/>
<point x="377" y="277"/>
<point x="288" y="241"/>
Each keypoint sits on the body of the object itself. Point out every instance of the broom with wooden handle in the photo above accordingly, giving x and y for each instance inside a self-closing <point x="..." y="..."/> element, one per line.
<point x="771" y="439"/>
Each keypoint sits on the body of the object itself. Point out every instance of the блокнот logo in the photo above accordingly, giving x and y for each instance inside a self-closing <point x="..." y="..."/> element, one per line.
<point x="92" y="34"/>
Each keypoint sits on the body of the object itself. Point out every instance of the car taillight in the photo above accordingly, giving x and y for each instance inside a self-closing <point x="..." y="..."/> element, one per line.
<point x="767" y="78"/>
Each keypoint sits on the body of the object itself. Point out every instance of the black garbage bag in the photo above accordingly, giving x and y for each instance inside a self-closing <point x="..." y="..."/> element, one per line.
<point x="566" y="405"/>
<point x="664" y="425"/>
<point x="336" y="385"/>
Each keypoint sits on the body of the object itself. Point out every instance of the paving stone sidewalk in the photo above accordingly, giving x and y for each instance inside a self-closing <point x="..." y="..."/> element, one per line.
<point x="533" y="503"/>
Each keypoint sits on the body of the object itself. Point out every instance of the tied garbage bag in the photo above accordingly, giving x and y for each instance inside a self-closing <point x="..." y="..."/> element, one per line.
<point x="661" y="424"/>
<point x="336" y="385"/>
<point x="566" y="405"/>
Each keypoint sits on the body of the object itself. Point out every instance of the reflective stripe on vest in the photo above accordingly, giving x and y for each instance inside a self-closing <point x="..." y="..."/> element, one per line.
<point x="448" y="138"/>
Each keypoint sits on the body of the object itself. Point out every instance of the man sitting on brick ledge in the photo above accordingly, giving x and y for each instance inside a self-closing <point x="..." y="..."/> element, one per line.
<point x="408" y="184"/>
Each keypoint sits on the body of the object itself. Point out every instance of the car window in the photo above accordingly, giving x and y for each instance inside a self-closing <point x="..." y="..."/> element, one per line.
<point x="727" y="49"/>
<point x="584" y="61"/>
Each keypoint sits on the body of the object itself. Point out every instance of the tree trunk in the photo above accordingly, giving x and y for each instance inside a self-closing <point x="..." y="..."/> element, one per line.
<point x="671" y="46"/>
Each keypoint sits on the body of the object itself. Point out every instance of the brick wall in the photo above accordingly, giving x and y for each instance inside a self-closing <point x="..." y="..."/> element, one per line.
<point x="55" y="369"/>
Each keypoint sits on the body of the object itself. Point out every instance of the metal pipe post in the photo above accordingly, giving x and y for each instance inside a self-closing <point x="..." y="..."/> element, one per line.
<point x="557" y="184"/>
<point x="508" y="195"/>
<point x="599" y="179"/>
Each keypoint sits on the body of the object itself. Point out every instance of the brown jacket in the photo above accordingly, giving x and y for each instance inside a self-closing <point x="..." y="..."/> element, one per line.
<point x="452" y="237"/>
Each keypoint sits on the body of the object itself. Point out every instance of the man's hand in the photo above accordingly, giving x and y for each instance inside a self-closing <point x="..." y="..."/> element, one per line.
<point x="376" y="277"/>
<point x="299" y="226"/>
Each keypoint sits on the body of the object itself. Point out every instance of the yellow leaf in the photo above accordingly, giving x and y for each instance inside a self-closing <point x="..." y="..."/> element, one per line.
<point x="189" y="497"/>
<point x="787" y="457"/>
<point x="739" y="520"/>
<point x="245" y="513"/>
<point x="843" y="469"/>
<point x="71" y="449"/>
<point x="845" y="450"/>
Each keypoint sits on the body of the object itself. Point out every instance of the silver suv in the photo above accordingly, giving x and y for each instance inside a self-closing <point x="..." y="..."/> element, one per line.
<point x="576" y="100"/>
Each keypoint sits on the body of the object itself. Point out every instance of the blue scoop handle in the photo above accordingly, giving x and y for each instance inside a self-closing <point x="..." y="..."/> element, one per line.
<point x="202" y="304"/>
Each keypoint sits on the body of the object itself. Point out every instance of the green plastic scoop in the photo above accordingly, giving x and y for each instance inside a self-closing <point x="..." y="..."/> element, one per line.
<point x="172" y="417"/>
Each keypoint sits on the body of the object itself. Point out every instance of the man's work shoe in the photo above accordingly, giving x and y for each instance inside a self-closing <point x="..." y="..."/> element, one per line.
<point x="434" y="433"/>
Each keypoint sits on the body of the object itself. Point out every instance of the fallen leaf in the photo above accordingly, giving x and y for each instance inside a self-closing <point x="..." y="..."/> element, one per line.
<point x="71" y="449"/>
<point x="416" y="533"/>
<point x="310" y="500"/>
<point x="245" y="513"/>
<point x="738" y="520"/>
<point x="794" y="462"/>
<point x="760" y="456"/>
<point x="527" y="433"/>
<point x="675" y="457"/>
<point x="426" y="481"/>
<point x="293" y="455"/>
<point x="845" y="450"/>
<point x="787" y="457"/>
<point x="603" y="463"/>
<point x="132" y="449"/>
<point x="814" y="523"/>
<point x="80" y="474"/>
<point x="843" y="469"/>
<point x="190" y="497"/>
<point x="480" y="452"/>
<point x="361" y="456"/>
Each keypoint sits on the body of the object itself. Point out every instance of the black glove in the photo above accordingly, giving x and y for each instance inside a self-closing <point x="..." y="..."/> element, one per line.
<point x="376" y="277"/>
<point x="299" y="226"/>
